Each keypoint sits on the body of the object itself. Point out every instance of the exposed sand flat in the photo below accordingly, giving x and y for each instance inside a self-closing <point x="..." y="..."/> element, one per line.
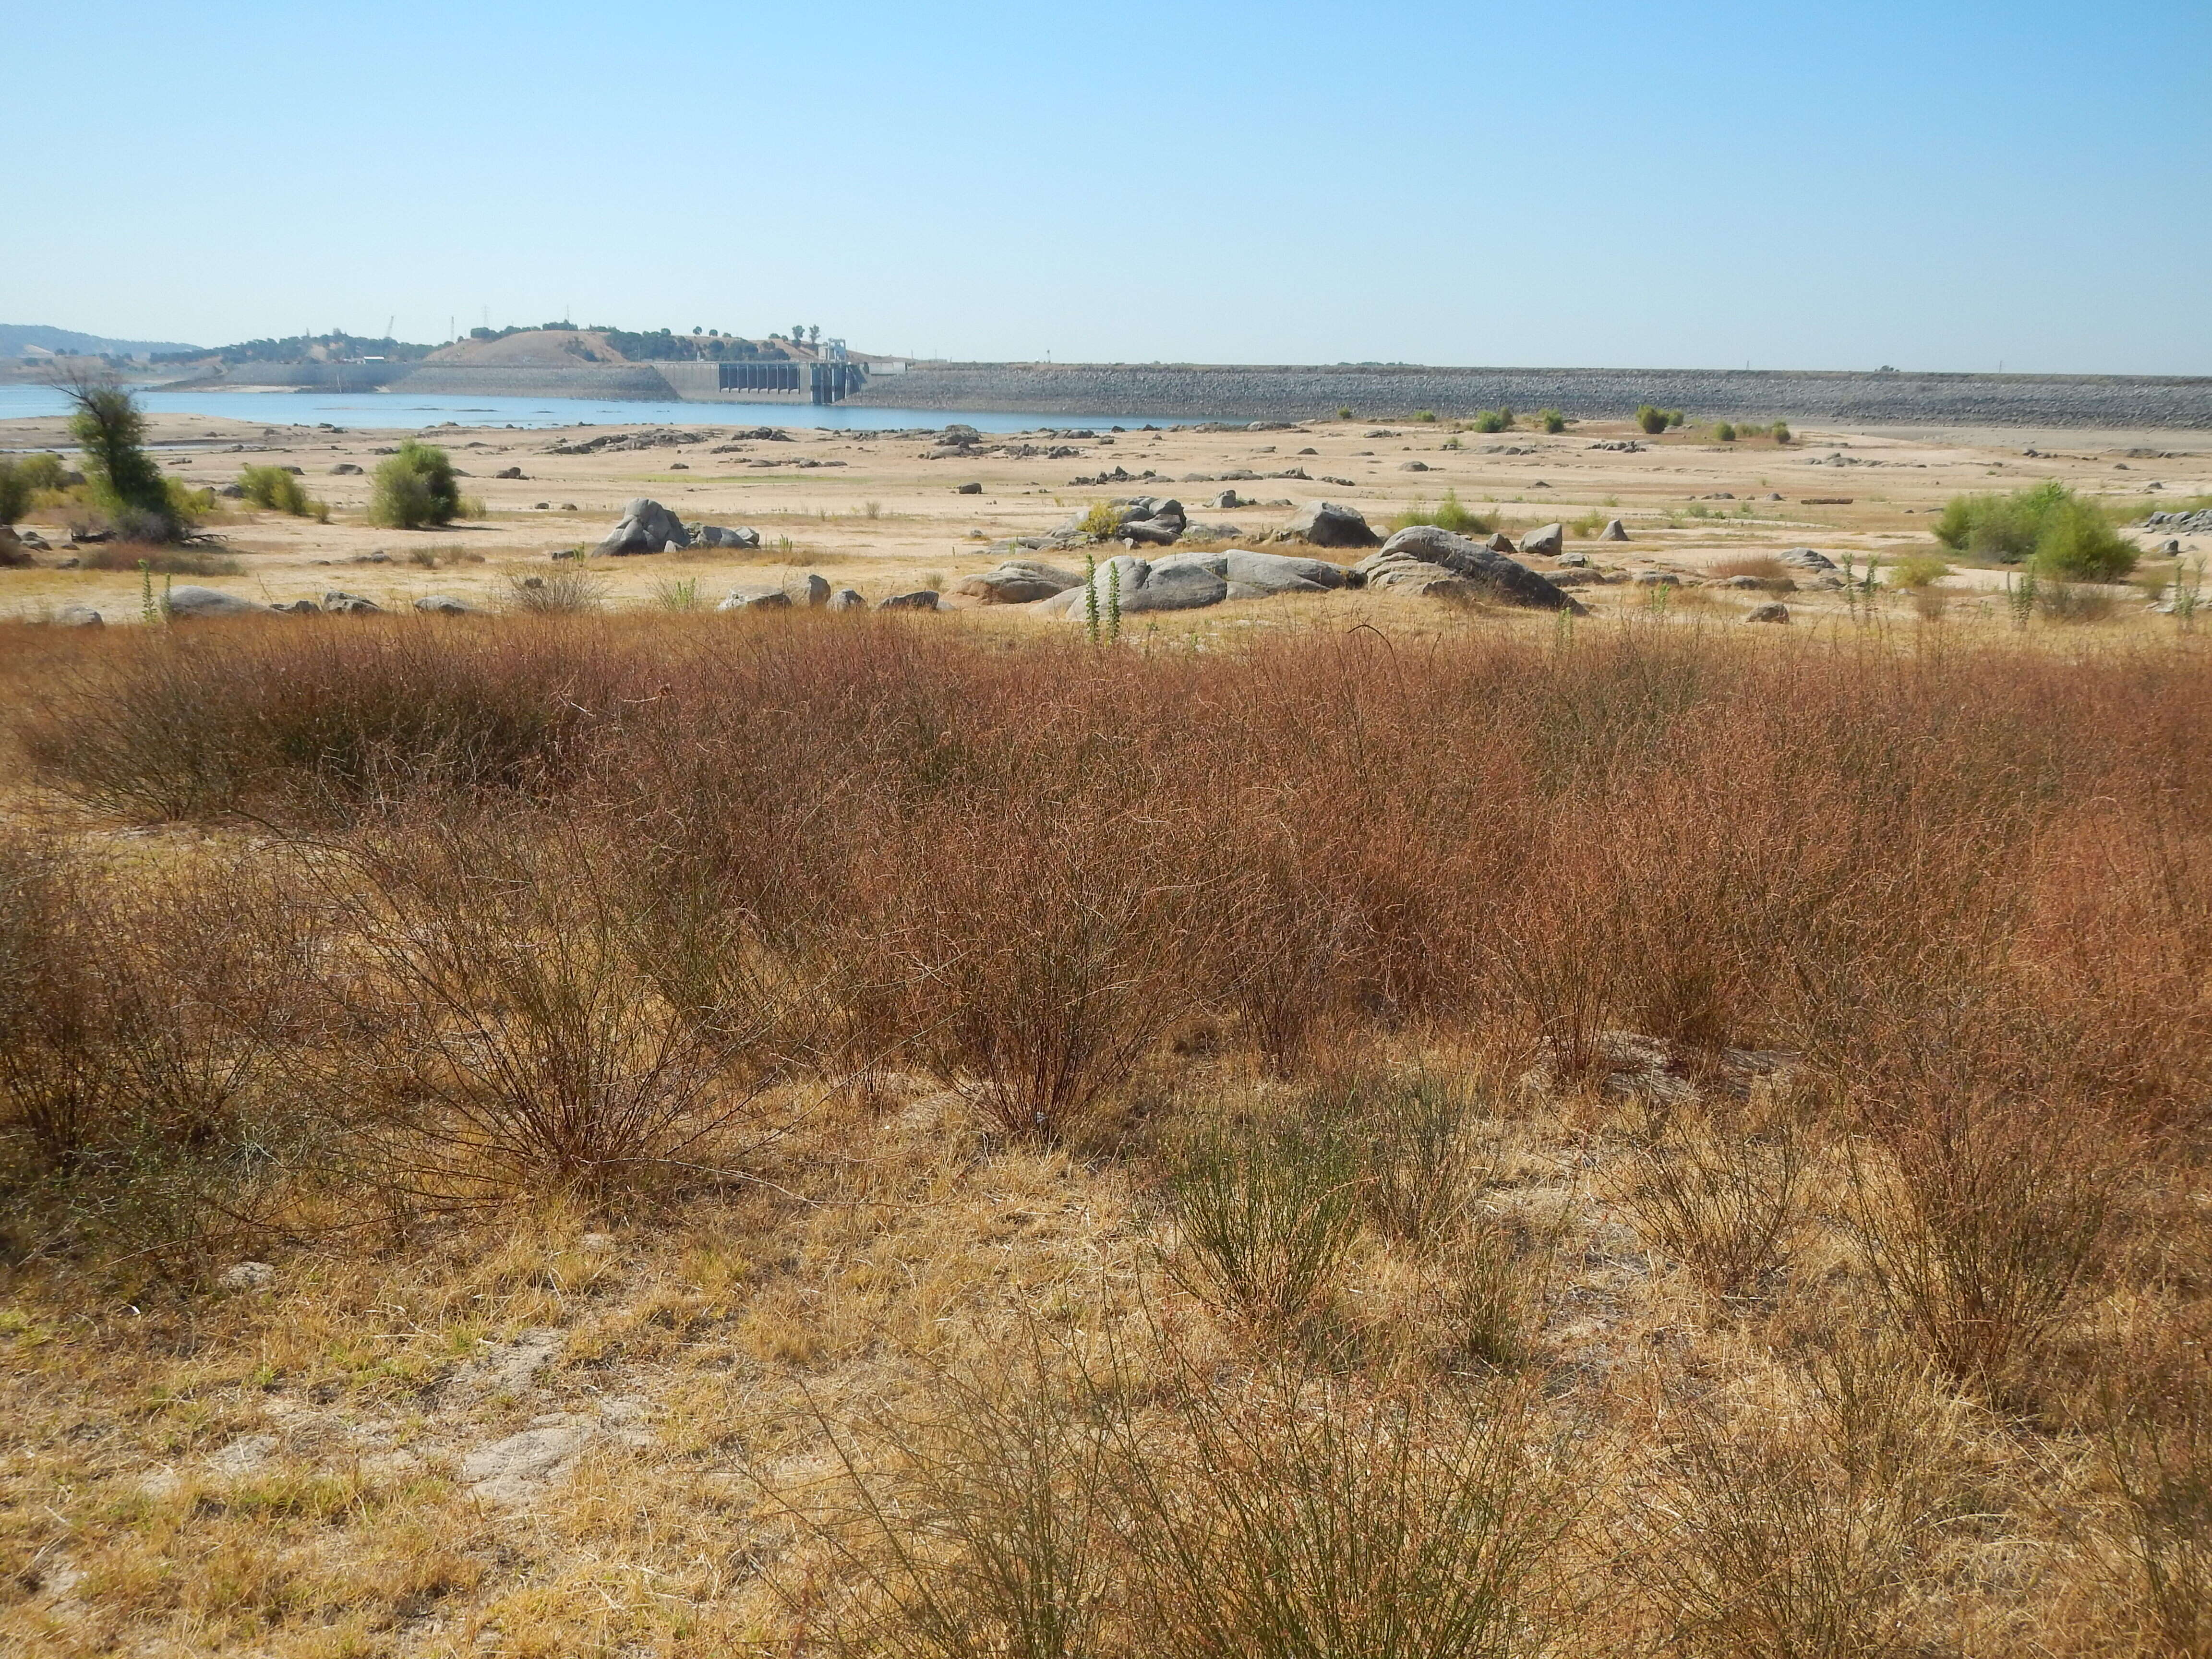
<point x="871" y="510"/>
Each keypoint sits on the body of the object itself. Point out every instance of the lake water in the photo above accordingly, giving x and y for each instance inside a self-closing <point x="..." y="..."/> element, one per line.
<point x="405" y="411"/>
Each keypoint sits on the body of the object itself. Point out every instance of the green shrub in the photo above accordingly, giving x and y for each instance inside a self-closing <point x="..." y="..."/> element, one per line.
<point x="1918" y="570"/>
<point x="1780" y="430"/>
<point x="276" y="488"/>
<point x="1101" y="521"/>
<point x="1652" y="420"/>
<point x="414" y="488"/>
<point x="2049" y="525"/>
<point x="1551" y="421"/>
<point x="43" y="470"/>
<point x="1490" y="420"/>
<point x="1426" y="417"/>
<point x="15" y="492"/>
<point x="1724" y="433"/>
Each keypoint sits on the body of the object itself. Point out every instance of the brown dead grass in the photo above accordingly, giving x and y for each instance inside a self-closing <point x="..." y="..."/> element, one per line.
<point x="1641" y="1140"/>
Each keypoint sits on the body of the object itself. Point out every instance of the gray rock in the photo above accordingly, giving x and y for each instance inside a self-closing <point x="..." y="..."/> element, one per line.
<point x="1573" y="559"/>
<point x="1772" y="611"/>
<point x="715" y="535"/>
<point x="444" y="604"/>
<point x="352" y="604"/>
<point x="1018" y="581"/>
<point x="1262" y="573"/>
<point x="1505" y="581"/>
<point x="1143" y="585"/>
<point x="198" y="602"/>
<point x="1413" y="466"/>
<point x="515" y="472"/>
<point x="1325" y="523"/>
<point x="1500" y="542"/>
<point x="1150" y="533"/>
<point x="246" y="1276"/>
<point x="300" y="608"/>
<point x="1228" y="498"/>
<point x="774" y="598"/>
<point x="845" y="598"/>
<point x="1420" y="579"/>
<point x="78" y="616"/>
<point x="810" y="589"/>
<point x="1656" y="578"/>
<point x="343" y="469"/>
<point x="968" y="489"/>
<point x="922" y="598"/>
<point x="1804" y="558"/>
<point x="1614" y="530"/>
<point x="1545" y="542"/>
<point x="645" y="527"/>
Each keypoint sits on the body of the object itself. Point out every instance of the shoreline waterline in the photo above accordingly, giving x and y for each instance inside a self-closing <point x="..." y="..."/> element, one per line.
<point x="404" y="411"/>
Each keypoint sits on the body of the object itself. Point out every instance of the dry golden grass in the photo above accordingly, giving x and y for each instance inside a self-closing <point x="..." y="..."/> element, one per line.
<point x="829" y="1135"/>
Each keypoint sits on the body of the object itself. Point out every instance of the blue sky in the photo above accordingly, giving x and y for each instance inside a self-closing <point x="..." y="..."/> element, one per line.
<point x="1931" y="185"/>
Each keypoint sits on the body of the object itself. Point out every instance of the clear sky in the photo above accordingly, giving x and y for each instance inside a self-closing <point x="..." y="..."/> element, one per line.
<point x="1552" y="182"/>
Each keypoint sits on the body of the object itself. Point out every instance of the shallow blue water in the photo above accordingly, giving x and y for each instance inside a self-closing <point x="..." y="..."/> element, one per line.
<point x="403" y="411"/>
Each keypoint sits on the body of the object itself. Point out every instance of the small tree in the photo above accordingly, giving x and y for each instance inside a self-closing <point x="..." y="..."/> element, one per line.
<point x="126" y="484"/>
<point x="1653" y="420"/>
<point x="1551" y="421"/>
<point x="414" y="488"/>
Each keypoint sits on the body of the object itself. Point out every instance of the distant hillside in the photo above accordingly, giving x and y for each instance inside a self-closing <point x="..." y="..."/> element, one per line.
<point x="15" y="336"/>
<point x="556" y="346"/>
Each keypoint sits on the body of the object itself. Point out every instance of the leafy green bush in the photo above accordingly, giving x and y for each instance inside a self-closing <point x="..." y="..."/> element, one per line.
<point x="1918" y="570"/>
<point x="1653" y="420"/>
<point x="15" y="492"/>
<point x="1494" y="420"/>
<point x="1551" y="421"/>
<point x="414" y="488"/>
<point x="276" y="488"/>
<point x="2048" y="525"/>
<point x="1724" y="433"/>
<point x="43" y="470"/>
<point x="1101" y="521"/>
<point x="1781" y="432"/>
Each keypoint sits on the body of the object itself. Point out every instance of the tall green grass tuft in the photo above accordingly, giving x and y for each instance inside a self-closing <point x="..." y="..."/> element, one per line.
<point x="1449" y="514"/>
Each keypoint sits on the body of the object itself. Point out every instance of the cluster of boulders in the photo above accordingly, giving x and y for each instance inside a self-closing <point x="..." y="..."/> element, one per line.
<point x="2186" y="524"/>
<point x="1435" y="563"/>
<point x="190" y="604"/>
<point x="1189" y="581"/>
<point x="647" y="526"/>
<point x="812" y="591"/>
<point x="666" y="437"/>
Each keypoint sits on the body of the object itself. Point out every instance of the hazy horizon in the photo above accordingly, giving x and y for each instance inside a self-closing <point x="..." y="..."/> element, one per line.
<point x="1954" y="190"/>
